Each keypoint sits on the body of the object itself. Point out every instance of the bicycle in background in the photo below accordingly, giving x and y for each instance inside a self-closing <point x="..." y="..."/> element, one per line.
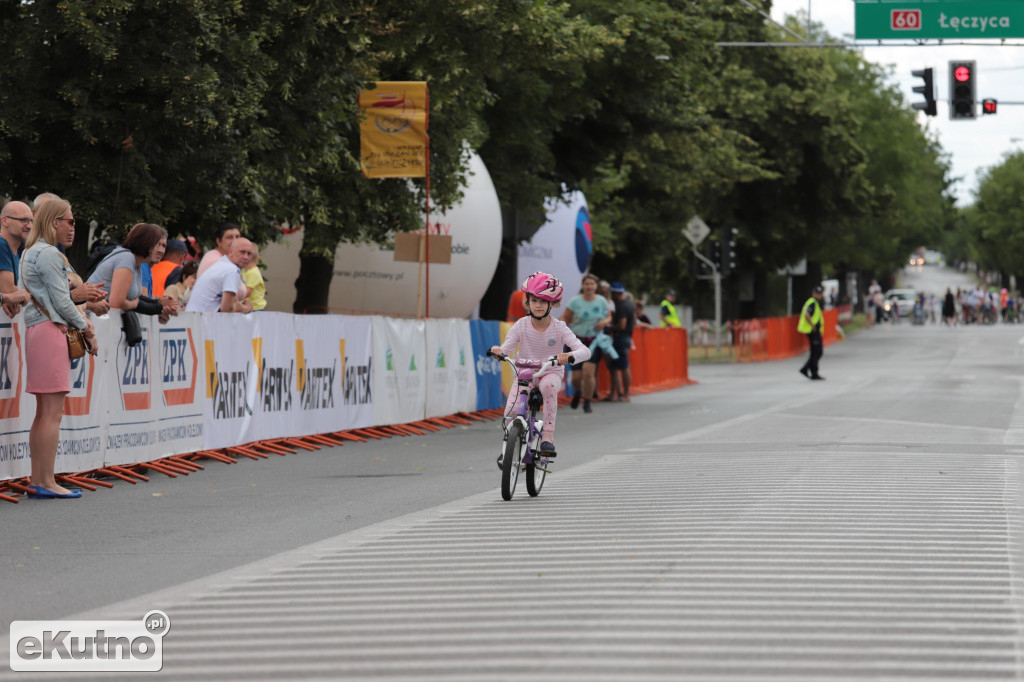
<point x="522" y="425"/>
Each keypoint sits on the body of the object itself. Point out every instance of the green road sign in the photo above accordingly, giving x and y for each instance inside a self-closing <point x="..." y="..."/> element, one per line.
<point x="917" y="19"/>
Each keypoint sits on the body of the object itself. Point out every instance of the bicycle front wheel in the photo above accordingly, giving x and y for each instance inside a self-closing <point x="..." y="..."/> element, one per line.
<point x="512" y="460"/>
<point x="535" y="474"/>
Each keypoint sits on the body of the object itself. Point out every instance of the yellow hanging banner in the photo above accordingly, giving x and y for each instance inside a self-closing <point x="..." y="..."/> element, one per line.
<point x="393" y="132"/>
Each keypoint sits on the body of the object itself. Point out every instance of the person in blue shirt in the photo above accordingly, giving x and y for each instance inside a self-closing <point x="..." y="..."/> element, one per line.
<point x="15" y="225"/>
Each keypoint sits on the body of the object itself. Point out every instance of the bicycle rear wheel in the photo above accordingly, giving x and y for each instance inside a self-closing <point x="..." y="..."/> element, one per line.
<point x="535" y="474"/>
<point x="512" y="460"/>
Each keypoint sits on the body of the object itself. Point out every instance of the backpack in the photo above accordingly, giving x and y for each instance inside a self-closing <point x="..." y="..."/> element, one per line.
<point x="99" y="253"/>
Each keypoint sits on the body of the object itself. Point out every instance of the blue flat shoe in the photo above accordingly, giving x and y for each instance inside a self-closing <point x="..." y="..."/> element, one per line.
<point x="41" y="493"/>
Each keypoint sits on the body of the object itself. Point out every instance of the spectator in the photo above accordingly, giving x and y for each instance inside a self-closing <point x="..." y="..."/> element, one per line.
<point x="216" y="290"/>
<point x="146" y="268"/>
<point x="15" y="226"/>
<point x="253" y="280"/>
<point x="181" y="291"/>
<point x="586" y="314"/>
<point x="516" y="306"/>
<point x="48" y="367"/>
<point x="623" y="323"/>
<point x="121" y="272"/>
<point x="174" y="256"/>
<point x="225" y="235"/>
<point x="642" y="321"/>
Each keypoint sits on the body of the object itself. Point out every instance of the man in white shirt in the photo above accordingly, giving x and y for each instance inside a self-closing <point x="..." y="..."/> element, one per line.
<point x="217" y="289"/>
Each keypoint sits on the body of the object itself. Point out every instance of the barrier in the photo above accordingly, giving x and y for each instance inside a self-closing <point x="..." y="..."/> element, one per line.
<point x="659" y="360"/>
<point x="224" y="387"/>
<point x="776" y="338"/>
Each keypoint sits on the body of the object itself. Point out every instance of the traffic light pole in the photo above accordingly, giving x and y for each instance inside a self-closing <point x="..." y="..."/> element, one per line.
<point x="717" y="277"/>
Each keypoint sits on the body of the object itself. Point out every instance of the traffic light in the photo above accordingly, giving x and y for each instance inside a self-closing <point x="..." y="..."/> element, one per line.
<point x="928" y="90"/>
<point x="962" y="85"/>
<point x="728" y="249"/>
<point x="988" y="106"/>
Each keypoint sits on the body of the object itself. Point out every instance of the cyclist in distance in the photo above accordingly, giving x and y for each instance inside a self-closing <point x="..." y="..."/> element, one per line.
<point x="539" y="337"/>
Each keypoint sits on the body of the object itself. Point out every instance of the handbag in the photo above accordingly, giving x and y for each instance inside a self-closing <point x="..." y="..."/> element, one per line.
<point x="132" y="328"/>
<point x="77" y="345"/>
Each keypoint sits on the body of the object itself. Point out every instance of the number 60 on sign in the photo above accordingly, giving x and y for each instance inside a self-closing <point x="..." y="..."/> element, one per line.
<point x="905" y="20"/>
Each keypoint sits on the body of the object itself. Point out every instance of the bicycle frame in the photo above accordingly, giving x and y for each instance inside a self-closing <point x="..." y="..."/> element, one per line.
<point x="524" y="411"/>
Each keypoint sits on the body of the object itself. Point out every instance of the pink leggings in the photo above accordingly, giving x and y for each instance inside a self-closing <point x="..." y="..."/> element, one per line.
<point x="550" y="385"/>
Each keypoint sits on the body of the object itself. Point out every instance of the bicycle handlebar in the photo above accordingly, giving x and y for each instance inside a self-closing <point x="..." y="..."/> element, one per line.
<point x="542" y="365"/>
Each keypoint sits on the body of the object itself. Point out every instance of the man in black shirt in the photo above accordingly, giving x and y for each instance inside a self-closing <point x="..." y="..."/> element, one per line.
<point x="623" y="321"/>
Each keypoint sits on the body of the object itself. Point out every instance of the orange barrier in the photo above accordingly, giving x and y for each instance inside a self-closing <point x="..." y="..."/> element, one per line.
<point x="776" y="338"/>
<point x="658" y="361"/>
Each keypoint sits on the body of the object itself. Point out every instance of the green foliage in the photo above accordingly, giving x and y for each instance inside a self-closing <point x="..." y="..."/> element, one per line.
<point x="989" y="230"/>
<point x="190" y="112"/>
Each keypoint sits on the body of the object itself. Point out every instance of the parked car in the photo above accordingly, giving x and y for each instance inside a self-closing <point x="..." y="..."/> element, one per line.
<point x="904" y="301"/>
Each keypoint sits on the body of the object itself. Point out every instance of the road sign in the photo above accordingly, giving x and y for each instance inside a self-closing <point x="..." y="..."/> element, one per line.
<point x="696" y="231"/>
<point x="917" y="19"/>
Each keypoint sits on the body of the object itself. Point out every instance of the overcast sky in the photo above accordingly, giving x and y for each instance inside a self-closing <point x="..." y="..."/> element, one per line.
<point x="973" y="145"/>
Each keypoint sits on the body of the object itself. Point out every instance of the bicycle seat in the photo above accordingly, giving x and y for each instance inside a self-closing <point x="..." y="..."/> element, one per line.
<point x="536" y="399"/>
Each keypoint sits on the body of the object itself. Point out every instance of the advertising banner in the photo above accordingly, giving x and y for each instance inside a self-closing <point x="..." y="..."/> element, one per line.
<point x="16" y="407"/>
<point x="562" y="246"/>
<point x="451" y="376"/>
<point x="314" y="375"/>
<point x="150" y="391"/>
<point x="489" y="392"/>
<point x="399" y="378"/>
<point x="393" y="132"/>
<point x="230" y="376"/>
<point x="82" y="432"/>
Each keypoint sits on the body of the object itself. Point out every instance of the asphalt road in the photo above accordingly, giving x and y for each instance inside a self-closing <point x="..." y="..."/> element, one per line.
<point x="755" y="526"/>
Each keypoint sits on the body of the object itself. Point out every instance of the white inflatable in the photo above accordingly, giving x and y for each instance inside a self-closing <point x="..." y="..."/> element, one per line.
<point x="562" y="246"/>
<point x="368" y="280"/>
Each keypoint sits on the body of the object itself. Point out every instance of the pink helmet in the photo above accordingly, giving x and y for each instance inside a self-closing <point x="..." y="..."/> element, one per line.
<point x="543" y="286"/>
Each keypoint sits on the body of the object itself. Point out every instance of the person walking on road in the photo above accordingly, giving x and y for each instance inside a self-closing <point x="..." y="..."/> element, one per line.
<point x="810" y="322"/>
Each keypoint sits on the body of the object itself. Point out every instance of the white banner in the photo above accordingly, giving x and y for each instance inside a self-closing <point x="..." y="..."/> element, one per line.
<point x="152" y="390"/>
<point x="451" y="373"/>
<point x="230" y="378"/>
<point x="82" y="434"/>
<point x="314" y="375"/>
<point x="399" y="377"/>
<point x="16" y="407"/>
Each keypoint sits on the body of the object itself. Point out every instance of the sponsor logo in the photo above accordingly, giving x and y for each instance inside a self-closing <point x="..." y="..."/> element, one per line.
<point x="308" y="387"/>
<point x="441" y="361"/>
<point x="89" y="645"/>
<point x="226" y="386"/>
<point x="134" y="373"/>
<point x="79" y="400"/>
<point x="584" y="240"/>
<point x="179" y="366"/>
<point x="10" y="371"/>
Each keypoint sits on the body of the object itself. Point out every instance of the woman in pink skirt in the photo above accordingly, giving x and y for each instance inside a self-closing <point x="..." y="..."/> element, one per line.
<point x="48" y="368"/>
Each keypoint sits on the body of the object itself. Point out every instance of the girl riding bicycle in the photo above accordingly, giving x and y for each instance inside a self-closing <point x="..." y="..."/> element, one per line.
<point x="539" y="337"/>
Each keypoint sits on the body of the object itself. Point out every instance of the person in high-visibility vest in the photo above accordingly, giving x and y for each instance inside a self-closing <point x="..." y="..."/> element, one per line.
<point x="809" y="323"/>
<point x="669" y="316"/>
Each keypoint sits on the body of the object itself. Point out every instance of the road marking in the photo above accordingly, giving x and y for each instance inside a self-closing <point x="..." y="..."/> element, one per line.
<point x="754" y="566"/>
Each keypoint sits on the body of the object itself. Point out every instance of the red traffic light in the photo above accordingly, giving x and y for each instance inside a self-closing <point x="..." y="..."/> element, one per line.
<point x="988" y="106"/>
<point x="962" y="74"/>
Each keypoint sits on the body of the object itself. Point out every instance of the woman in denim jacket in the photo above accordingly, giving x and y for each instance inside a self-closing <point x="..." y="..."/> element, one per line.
<point x="48" y="367"/>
